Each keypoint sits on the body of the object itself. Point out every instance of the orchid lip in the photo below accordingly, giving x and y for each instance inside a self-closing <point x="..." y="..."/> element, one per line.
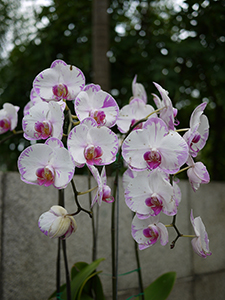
<point x="5" y="124"/>
<point x="45" y="176"/>
<point x="153" y="159"/>
<point x="43" y="129"/>
<point x="152" y="233"/>
<point x="155" y="203"/>
<point x="93" y="154"/>
<point x="139" y="126"/>
<point x="99" y="117"/>
<point x="60" y="90"/>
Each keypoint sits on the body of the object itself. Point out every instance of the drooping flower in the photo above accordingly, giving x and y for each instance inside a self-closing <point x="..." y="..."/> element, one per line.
<point x="146" y="232"/>
<point x="46" y="164"/>
<point x="56" y="223"/>
<point x="43" y="120"/>
<point x="138" y="90"/>
<point x="200" y="243"/>
<point x="148" y="193"/>
<point x="60" y="81"/>
<point x="155" y="146"/>
<point x="129" y="114"/>
<point x="198" y="133"/>
<point x="197" y="174"/>
<point x="93" y="145"/>
<point x="167" y="112"/>
<point x="104" y="191"/>
<point x="94" y="102"/>
<point x="8" y="117"/>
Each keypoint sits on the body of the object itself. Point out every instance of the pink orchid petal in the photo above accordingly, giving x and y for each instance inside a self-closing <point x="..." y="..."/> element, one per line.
<point x="92" y="99"/>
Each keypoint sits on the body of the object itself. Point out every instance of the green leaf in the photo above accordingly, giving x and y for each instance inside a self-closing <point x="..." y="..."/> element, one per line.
<point x="161" y="287"/>
<point x="78" y="280"/>
<point x="84" y="283"/>
<point x="77" y="267"/>
<point x="85" y="297"/>
<point x="97" y="287"/>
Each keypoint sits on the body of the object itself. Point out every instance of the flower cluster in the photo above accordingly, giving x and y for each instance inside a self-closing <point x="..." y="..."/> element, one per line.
<point x="152" y="148"/>
<point x="155" y="152"/>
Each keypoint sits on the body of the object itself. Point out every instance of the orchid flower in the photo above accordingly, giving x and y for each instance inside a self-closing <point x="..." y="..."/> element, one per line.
<point x="95" y="103"/>
<point x="200" y="243"/>
<point x="35" y="99"/>
<point x="60" y="81"/>
<point x="56" y="223"/>
<point x="146" y="232"/>
<point x="198" y="133"/>
<point x="93" y="145"/>
<point x="167" y="112"/>
<point x="43" y="120"/>
<point x="197" y="174"/>
<point x="138" y="90"/>
<point x="104" y="191"/>
<point x="46" y="164"/>
<point x="155" y="146"/>
<point x="136" y="110"/>
<point x="148" y="193"/>
<point x="8" y="117"/>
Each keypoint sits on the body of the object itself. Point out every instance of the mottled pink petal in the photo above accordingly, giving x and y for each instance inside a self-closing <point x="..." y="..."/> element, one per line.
<point x="138" y="90"/>
<point x="136" y="110"/>
<point x="60" y="81"/>
<point x="97" y="104"/>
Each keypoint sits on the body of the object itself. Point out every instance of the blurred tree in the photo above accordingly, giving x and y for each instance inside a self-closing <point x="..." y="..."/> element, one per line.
<point x="100" y="44"/>
<point x="200" y="68"/>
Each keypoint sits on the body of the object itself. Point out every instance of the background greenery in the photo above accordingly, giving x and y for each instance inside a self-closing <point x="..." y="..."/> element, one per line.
<point x="182" y="49"/>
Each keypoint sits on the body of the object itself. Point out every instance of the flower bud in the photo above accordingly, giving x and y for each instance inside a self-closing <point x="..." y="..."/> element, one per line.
<point x="57" y="223"/>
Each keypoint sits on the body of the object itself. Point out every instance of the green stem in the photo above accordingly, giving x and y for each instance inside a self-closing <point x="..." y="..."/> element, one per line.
<point x="141" y="121"/>
<point x="94" y="230"/>
<point x="114" y="236"/>
<point x="141" y="288"/>
<point x="88" y="191"/>
<point x="172" y="245"/>
<point x="79" y="208"/>
<point x="189" y="235"/>
<point x="62" y="203"/>
<point x="68" y="288"/>
<point x="11" y="135"/>
<point x="182" y="170"/>
<point x="182" y="129"/>
<point x="58" y="270"/>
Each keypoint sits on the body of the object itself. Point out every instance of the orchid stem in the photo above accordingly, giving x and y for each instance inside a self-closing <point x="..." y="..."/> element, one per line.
<point x="115" y="233"/>
<point x="79" y="207"/>
<point x="182" y="129"/>
<point x="88" y="191"/>
<point x="61" y="202"/>
<point x="141" y="121"/>
<point x="154" y="112"/>
<point x="172" y="245"/>
<point x="58" y="269"/>
<point x="184" y="169"/>
<point x="141" y="288"/>
<point x="94" y="226"/>
<point x="189" y="235"/>
<point x="10" y="136"/>
<point x="68" y="288"/>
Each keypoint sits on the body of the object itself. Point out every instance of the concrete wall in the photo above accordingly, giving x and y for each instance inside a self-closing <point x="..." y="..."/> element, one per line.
<point x="28" y="257"/>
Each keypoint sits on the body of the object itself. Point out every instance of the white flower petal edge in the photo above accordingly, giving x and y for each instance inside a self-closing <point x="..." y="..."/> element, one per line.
<point x="200" y="243"/>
